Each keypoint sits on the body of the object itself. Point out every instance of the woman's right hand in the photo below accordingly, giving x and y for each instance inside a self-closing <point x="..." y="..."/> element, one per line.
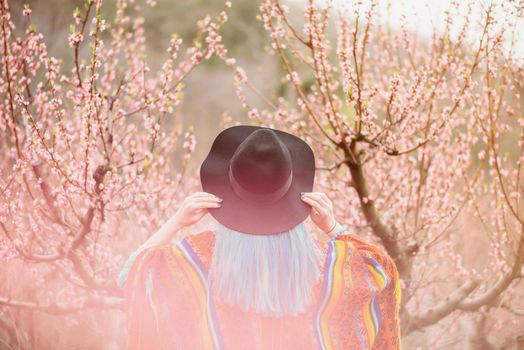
<point x="321" y="211"/>
<point x="194" y="207"/>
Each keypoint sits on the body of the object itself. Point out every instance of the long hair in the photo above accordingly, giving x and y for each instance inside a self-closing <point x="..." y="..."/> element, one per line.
<point x="270" y="274"/>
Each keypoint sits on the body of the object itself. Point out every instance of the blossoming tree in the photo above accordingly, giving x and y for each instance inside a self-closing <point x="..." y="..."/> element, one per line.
<point x="87" y="154"/>
<point x="415" y="136"/>
<point x="420" y="145"/>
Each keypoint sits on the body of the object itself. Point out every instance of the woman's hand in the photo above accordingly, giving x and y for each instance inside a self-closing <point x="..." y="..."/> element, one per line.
<point x="321" y="211"/>
<point x="194" y="207"/>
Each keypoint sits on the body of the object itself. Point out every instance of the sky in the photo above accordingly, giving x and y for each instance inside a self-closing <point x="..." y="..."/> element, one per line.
<point x="422" y="16"/>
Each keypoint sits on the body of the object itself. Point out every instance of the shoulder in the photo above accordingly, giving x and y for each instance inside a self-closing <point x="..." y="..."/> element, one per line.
<point x="368" y="250"/>
<point x="151" y="257"/>
<point x="379" y="263"/>
<point x="196" y="248"/>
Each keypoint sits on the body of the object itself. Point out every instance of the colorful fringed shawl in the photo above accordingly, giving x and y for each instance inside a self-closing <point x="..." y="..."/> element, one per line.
<point x="169" y="305"/>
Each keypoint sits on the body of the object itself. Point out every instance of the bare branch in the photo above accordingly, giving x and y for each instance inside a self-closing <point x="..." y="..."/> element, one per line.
<point x="93" y="301"/>
<point x="441" y="310"/>
<point x="489" y="296"/>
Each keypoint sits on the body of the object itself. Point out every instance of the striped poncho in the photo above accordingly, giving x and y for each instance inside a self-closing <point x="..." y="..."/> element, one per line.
<point x="169" y="304"/>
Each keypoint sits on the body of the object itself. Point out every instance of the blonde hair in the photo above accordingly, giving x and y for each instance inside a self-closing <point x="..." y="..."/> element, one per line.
<point x="270" y="274"/>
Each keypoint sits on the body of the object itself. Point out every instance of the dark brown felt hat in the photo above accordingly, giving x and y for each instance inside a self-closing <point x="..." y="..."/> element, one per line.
<point x="259" y="173"/>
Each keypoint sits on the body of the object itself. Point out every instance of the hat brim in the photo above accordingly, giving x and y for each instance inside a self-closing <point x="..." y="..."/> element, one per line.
<point x="255" y="218"/>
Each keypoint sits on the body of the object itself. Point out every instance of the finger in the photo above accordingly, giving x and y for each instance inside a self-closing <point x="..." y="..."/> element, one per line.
<point x="322" y="197"/>
<point x="326" y="198"/>
<point x="198" y="194"/>
<point x="201" y="211"/>
<point x="317" y="199"/>
<point x="203" y="195"/>
<point x="313" y="195"/>
<point x="315" y="204"/>
<point x="206" y="204"/>
<point x="194" y="206"/>
<point x="207" y="198"/>
<point x="311" y="200"/>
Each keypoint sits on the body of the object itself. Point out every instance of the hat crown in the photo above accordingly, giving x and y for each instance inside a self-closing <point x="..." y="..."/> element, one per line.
<point x="262" y="162"/>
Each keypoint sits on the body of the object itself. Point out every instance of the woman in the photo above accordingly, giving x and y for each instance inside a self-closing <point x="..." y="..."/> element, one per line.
<point x="259" y="280"/>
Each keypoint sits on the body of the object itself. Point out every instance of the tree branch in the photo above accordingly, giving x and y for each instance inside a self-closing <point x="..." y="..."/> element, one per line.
<point x="93" y="301"/>
<point x="372" y="216"/>
<point x="441" y="310"/>
<point x="489" y="296"/>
